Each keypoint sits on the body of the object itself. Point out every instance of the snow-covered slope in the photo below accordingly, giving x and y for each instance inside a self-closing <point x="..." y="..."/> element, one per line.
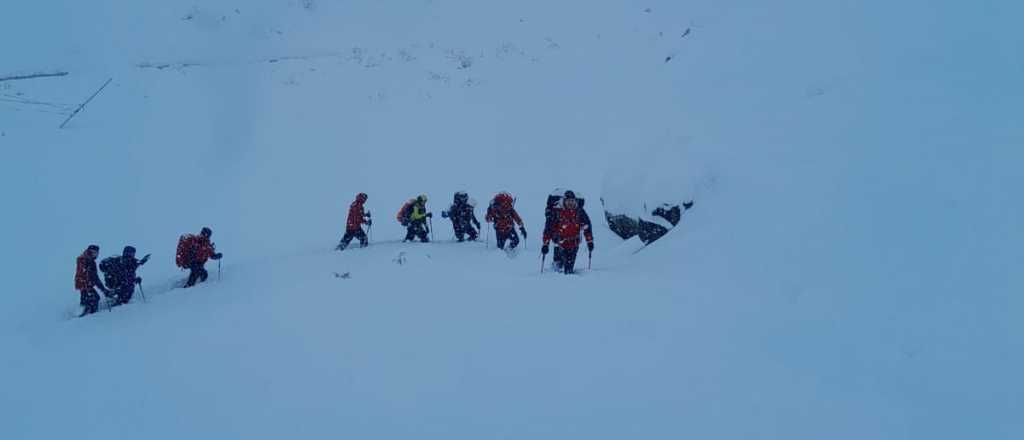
<point x="851" y="269"/>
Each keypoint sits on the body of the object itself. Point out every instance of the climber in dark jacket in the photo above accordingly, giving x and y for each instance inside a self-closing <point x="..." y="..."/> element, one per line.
<point x="463" y="218"/>
<point x="120" y="274"/>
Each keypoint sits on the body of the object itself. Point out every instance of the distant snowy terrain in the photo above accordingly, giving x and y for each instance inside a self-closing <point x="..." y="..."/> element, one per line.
<point x="851" y="268"/>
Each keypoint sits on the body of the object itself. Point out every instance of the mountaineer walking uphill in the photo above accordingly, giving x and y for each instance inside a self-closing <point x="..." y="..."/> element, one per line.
<point x="414" y="216"/>
<point x="502" y="213"/>
<point x="193" y="253"/>
<point x="569" y="220"/>
<point x="87" y="279"/>
<point x="119" y="274"/>
<point x="462" y="216"/>
<point x="357" y="217"/>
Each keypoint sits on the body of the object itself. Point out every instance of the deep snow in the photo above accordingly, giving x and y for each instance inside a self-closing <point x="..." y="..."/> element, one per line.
<point x="851" y="269"/>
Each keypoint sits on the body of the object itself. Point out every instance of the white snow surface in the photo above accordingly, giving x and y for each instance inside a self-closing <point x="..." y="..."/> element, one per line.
<point x="851" y="269"/>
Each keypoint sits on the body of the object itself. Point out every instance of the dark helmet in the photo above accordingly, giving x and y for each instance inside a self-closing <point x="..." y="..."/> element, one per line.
<point x="361" y="197"/>
<point x="206" y="232"/>
<point x="129" y="251"/>
<point x="93" y="247"/>
<point x="570" y="195"/>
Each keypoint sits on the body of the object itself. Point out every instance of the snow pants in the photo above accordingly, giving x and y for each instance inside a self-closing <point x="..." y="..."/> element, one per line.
<point x="349" y="235"/>
<point x="463" y="229"/>
<point x="196" y="273"/>
<point x="90" y="301"/>
<point x="510" y="235"/>
<point x="557" y="257"/>
<point x="569" y="259"/>
<point x="123" y="294"/>
<point x="416" y="228"/>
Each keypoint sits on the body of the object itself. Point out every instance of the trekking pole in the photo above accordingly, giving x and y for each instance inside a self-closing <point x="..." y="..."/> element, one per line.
<point x="218" y="270"/>
<point x="430" y="221"/>
<point x="143" y="292"/>
<point x="590" y="255"/>
<point x="542" y="258"/>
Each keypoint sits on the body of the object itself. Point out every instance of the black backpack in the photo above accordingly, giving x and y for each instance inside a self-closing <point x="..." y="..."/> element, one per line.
<point x="110" y="266"/>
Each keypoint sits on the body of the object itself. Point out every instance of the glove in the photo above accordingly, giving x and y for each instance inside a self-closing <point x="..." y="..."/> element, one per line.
<point x="523" y="230"/>
<point x="368" y="214"/>
<point x="590" y="246"/>
<point x="687" y="205"/>
<point x="444" y="214"/>
<point x="106" y="292"/>
<point x="138" y="280"/>
<point x="217" y="256"/>
<point x="430" y="214"/>
<point x="544" y="250"/>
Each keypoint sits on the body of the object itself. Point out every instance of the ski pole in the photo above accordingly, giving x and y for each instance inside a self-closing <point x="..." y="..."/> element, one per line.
<point x="430" y="221"/>
<point x="143" y="292"/>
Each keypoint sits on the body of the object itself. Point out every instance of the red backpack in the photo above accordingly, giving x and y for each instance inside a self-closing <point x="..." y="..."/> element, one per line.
<point x="186" y="250"/>
<point x="403" y="214"/>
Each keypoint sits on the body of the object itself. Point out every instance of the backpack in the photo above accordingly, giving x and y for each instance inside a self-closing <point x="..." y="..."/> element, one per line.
<point x="109" y="268"/>
<point x="405" y="212"/>
<point x="186" y="250"/>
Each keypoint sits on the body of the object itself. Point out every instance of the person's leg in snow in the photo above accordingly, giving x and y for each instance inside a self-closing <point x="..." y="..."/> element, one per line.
<point x="422" y="233"/>
<point x="90" y="302"/>
<point x="460" y="232"/>
<point x="513" y="239"/>
<point x="416" y="229"/>
<point x="349" y="235"/>
<point x="557" y="260"/>
<point x="410" y="232"/>
<point x="196" y="273"/>
<point x="569" y="260"/>
<point x="345" y="240"/>
<point x="123" y="294"/>
<point x="501" y="237"/>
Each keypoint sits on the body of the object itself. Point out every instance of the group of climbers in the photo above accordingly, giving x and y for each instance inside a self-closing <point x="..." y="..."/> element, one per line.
<point x="119" y="272"/>
<point x="119" y="277"/>
<point x="565" y="221"/>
